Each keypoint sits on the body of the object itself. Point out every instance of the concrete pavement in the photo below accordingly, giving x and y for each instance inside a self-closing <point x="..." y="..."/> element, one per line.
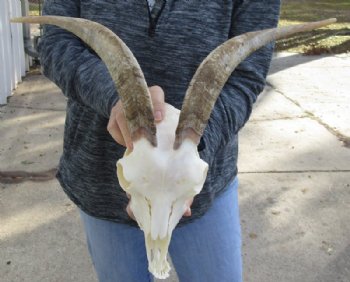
<point x="294" y="180"/>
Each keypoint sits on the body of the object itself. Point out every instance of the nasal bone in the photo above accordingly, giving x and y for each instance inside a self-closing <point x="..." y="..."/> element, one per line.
<point x="161" y="211"/>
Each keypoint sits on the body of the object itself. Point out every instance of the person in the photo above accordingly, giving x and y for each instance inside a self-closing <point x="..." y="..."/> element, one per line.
<point x="169" y="39"/>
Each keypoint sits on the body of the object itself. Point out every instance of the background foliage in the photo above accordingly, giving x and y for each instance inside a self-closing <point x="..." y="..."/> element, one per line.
<point x="333" y="39"/>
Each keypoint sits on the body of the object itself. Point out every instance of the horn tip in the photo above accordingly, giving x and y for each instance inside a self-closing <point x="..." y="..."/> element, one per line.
<point x="16" y="20"/>
<point x="26" y="19"/>
<point x="331" y="20"/>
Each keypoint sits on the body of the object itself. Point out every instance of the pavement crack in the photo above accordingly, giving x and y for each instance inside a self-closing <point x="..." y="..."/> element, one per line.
<point x="18" y="176"/>
<point x="35" y="108"/>
<point x="345" y="140"/>
<point x="280" y="118"/>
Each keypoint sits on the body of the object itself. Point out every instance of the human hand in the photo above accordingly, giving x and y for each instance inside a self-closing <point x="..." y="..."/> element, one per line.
<point x="188" y="212"/>
<point x="117" y="126"/>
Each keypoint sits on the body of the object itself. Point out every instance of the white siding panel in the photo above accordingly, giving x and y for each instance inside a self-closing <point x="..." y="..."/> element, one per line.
<point x="5" y="68"/>
<point x="17" y="45"/>
<point x="2" y="56"/>
<point x="12" y="63"/>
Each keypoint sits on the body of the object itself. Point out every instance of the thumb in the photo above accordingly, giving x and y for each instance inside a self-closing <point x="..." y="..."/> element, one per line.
<point x="157" y="96"/>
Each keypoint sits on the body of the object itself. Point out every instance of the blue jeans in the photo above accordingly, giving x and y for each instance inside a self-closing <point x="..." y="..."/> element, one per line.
<point x="208" y="249"/>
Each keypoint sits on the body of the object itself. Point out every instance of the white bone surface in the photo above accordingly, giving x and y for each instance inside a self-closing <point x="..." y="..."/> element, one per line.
<point x="161" y="181"/>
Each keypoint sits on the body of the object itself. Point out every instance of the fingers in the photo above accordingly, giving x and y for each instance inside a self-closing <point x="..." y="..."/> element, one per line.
<point x="129" y="211"/>
<point x="128" y="208"/>
<point x="157" y="96"/>
<point x="124" y="130"/>
<point x="114" y="131"/>
<point x="188" y="212"/>
<point x="117" y="125"/>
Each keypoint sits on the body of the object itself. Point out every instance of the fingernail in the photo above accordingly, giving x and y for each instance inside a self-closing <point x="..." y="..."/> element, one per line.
<point x="158" y="115"/>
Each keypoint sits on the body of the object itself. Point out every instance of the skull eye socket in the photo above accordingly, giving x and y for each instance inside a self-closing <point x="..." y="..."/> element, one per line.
<point x="120" y="173"/>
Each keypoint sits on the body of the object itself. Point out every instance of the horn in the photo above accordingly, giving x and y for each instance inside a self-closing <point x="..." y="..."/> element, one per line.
<point x="214" y="71"/>
<point x="122" y="65"/>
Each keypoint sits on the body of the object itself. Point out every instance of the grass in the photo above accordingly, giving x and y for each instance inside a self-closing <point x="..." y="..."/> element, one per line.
<point x="34" y="9"/>
<point x="333" y="39"/>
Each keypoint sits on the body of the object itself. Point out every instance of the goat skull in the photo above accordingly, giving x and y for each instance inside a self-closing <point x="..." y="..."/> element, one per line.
<point x="164" y="169"/>
<point x="161" y="181"/>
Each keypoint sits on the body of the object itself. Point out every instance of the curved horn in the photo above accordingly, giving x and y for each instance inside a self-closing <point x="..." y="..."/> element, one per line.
<point x="122" y="65"/>
<point x="214" y="71"/>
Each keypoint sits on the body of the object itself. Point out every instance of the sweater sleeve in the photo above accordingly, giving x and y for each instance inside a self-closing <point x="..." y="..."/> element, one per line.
<point x="72" y="65"/>
<point x="235" y="102"/>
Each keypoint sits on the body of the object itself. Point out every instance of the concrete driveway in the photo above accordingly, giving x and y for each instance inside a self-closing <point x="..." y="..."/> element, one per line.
<point x="294" y="180"/>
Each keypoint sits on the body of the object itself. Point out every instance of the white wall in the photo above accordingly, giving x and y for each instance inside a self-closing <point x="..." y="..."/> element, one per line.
<point x="12" y="58"/>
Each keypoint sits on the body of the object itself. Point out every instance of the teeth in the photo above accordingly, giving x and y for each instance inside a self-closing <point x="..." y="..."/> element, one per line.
<point x="157" y="256"/>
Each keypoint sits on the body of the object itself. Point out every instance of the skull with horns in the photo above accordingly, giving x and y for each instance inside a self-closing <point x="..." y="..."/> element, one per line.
<point x="164" y="169"/>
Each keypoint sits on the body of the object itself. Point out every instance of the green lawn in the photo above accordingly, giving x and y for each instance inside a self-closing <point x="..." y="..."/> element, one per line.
<point x="333" y="39"/>
<point x="34" y="9"/>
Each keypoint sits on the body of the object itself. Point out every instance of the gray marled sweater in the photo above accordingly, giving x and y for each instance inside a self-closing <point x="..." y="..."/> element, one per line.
<point x="169" y="43"/>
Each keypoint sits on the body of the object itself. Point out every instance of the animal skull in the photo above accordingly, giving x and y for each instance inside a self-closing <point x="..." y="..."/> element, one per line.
<point x="164" y="169"/>
<point x="161" y="181"/>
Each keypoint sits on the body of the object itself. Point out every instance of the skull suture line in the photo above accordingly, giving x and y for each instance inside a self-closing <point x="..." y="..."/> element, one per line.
<point x="164" y="169"/>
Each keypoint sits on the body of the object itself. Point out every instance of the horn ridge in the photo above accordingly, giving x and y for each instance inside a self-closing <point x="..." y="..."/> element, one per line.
<point x="122" y="65"/>
<point x="215" y="70"/>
